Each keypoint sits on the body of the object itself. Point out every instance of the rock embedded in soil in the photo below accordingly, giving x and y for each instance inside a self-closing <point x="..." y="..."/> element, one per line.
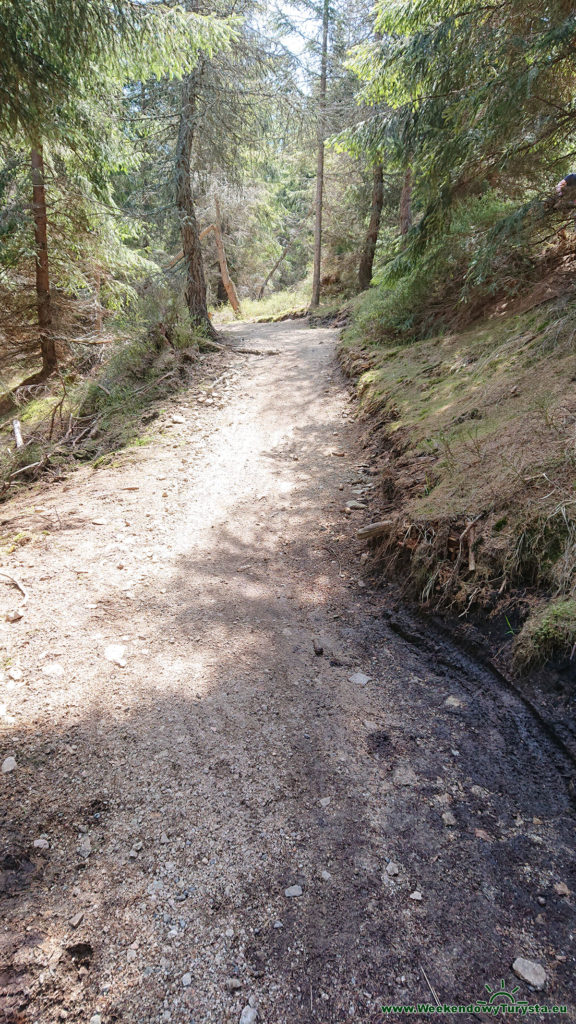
<point x="360" y="678"/>
<point x="448" y="819"/>
<point x="249" y="1015"/>
<point x="53" y="670"/>
<point x="8" y="765"/>
<point x="530" y="972"/>
<point x="85" y="848"/>
<point x="186" y="980"/>
<point x="293" y="890"/>
<point x="41" y="844"/>
<point x="405" y="777"/>
<point x="116" y="654"/>
<point x="392" y="869"/>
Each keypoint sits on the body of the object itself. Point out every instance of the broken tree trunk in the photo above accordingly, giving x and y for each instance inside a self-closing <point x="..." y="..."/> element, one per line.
<point x="180" y="255"/>
<point x="17" y="433"/>
<point x="226" y="279"/>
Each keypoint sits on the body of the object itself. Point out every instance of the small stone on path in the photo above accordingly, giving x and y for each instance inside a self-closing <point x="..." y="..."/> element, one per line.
<point x="41" y="844"/>
<point x="530" y="972"/>
<point x="53" y="670"/>
<point x="293" y="890"/>
<point x="448" y="819"/>
<point x="186" y="980"/>
<point x="392" y="869"/>
<point x="115" y="653"/>
<point x="77" y="919"/>
<point x="249" y="1015"/>
<point x="8" y="765"/>
<point x="416" y="895"/>
<point x="360" y="678"/>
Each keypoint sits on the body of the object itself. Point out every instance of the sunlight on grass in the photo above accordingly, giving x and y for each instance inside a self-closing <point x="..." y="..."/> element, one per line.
<point x="271" y="306"/>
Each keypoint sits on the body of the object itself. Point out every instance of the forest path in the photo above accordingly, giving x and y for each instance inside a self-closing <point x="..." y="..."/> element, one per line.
<point x="159" y="810"/>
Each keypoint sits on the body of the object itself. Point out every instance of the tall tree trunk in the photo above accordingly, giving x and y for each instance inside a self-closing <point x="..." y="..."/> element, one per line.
<point x="224" y="274"/>
<point x="195" y="279"/>
<point x="47" y="343"/>
<point x="320" y="161"/>
<point x="406" y="203"/>
<point x="367" y="257"/>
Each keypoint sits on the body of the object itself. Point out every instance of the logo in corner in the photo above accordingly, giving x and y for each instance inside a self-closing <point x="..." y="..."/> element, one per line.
<point x="502" y="996"/>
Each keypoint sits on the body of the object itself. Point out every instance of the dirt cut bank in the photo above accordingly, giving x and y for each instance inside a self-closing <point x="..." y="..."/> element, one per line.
<point x="230" y="787"/>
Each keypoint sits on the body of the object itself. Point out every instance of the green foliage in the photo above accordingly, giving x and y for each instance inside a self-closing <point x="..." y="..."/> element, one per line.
<point x="54" y="52"/>
<point x="548" y="634"/>
<point x="478" y="101"/>
<point x="417" y="296"/>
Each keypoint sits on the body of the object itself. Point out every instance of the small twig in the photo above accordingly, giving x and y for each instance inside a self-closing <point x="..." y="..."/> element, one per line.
<point x="430" y="986"/>
<point x="53" y="416"/>
<point x="17" y="584"/>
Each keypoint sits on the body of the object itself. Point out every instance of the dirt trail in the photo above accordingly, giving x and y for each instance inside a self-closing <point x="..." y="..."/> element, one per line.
<point x="172" y="801"/>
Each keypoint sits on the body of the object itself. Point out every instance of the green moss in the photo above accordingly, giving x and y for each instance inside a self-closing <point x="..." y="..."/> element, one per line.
<point x="548" y="634"/>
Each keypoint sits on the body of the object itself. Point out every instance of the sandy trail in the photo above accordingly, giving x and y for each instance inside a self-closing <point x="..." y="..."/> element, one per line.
<point x="173" y="800"/>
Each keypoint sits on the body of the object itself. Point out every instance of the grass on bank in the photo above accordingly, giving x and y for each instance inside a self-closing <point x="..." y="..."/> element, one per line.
<point x="480" y="428"/>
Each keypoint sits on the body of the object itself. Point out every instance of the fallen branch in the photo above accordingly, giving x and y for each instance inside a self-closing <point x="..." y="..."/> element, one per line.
<point x="17" y="584"/>
<point x="33" y="465"/>
<point x="374" y="529"/>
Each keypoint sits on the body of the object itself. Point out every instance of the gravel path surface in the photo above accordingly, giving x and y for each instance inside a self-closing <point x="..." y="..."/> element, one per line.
<point x="236" y="793"/>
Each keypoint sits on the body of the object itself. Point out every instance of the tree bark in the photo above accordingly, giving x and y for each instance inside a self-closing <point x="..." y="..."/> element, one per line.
<point x="367" y="257"/>
<point x="195" y="279"/>
<point x="46" y="338"/>
<point x="226" y="279"/>
<point x="320" y="160"/>
<point x="406" y="203"/>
